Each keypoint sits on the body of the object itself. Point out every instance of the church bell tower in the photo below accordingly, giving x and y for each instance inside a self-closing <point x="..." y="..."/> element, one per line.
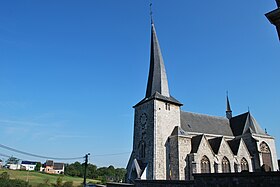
<point x="154" y="120"/>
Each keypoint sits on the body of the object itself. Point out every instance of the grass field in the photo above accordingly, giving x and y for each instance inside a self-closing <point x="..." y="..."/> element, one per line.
<point x="36" y="178"/>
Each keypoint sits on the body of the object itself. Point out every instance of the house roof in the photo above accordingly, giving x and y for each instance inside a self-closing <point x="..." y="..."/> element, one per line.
<point x="201" y="123"/>
<point x="49" y="163"/>
<point x="58" y="166"/>
<point x="29" y="162"/>
<point x="215" y="144"/>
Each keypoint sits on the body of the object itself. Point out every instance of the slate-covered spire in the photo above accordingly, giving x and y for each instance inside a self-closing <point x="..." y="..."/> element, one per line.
<point x="157" y="81"/>
<point x="228" y="111"/>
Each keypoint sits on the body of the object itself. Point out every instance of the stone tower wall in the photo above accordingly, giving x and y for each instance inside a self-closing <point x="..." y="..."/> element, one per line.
<point x="164" y="122"/>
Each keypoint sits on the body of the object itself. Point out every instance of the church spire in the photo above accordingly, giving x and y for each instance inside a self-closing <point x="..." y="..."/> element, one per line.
<point x="228" y="111"/>
<point x="157" y="81"/>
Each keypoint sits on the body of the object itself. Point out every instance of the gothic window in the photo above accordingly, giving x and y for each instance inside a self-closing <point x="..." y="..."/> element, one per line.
<point x="225" y="165"/>
<point x="266" y="156"/>
<point x="244" y="165"/>
<point x="205" y="165"/>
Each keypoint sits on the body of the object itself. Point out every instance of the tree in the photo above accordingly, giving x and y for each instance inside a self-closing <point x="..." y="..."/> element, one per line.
<point x="38" y="166"/>
<point x="12" y="160"/>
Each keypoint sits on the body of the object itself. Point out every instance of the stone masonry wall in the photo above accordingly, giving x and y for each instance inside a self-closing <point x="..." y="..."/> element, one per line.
<point x="164" y="122"/>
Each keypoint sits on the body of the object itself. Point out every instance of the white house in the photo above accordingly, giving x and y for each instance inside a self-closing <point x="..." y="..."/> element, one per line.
<point x="28" y="165"/>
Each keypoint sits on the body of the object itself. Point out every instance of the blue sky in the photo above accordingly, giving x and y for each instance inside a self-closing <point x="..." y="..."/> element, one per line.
<point x="70" y="71"/>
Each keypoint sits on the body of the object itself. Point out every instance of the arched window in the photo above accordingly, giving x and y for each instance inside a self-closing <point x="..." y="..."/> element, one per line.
<point x="205" y="165"/>
<point x="266" y="156"/>
<point x="225" y="165"/>
<point x="244" y="165"/>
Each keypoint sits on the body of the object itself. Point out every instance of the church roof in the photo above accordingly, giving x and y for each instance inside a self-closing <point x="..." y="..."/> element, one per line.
<point x="195" y="143"/>
<point x="228" y="105"/>
<point x="157" y="81"/>
<point x="234" y="145"/>
<point x="160" y="97"/>
<point x="157" y="86"/>
<point x="178" y="131"/>
<point x="201" y="123"/>
<point x="215" y="144"/>
<point x="245" y="123"/>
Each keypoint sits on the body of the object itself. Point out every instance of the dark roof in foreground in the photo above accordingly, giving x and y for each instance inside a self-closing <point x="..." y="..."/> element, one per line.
<point x="245" y="123"/>
<point x="234" y="145"/>
<point x="195" y="143"/>
<point x="201" y="123"/>
<point x="215" y="144"/>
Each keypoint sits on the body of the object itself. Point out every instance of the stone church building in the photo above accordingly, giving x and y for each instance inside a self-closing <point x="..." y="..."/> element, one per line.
<point x="171" y="144"/>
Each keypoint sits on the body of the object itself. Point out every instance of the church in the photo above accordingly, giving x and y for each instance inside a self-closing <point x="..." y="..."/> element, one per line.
<point x="171" y="144"/>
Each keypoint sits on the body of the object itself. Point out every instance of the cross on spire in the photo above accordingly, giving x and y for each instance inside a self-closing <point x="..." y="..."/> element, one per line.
<point x="151" y="13"/>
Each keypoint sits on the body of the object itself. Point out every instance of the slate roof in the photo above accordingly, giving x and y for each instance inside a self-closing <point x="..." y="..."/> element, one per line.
<point x="201" y="123"/>
<point x="160" y="97"/>
<point x="245" y="123"/>
<point x="237" y="123"/>
<point x="178" y="131"/>
<point x="157" y="80"/>
<point x="215" y="144"/>
<point x="195" y="143"/>
<point x="234" y="145"/>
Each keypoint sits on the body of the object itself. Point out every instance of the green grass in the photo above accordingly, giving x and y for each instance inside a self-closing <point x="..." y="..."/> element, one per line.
<point x="35" y="178"/>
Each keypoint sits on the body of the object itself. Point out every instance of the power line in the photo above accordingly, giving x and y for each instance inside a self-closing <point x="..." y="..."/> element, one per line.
<point x="56" y="158"/>
<point x="4" y="155"/>
<point x="112" y="154"/>
<point x="38" y="156"/>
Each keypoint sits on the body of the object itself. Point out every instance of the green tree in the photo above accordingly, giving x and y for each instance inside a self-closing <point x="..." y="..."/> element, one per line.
<point x="38" y="166"/>
<point x="12" y="160"/>
<point x="91" y="171"/>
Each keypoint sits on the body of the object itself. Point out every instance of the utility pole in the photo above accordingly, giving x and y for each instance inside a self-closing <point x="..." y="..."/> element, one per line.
<point x="85" y="173"/>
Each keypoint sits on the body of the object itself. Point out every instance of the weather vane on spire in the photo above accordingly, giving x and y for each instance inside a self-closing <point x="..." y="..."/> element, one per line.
<point x="151" y="12"/>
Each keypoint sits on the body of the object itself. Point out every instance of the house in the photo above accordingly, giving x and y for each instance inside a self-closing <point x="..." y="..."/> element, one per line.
<point x="52" y="167"/>
<point x="13" y="166"/>
<point x="28" y="165"/>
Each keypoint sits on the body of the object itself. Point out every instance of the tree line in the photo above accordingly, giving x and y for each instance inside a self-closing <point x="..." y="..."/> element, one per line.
<point x="104" y="174"/>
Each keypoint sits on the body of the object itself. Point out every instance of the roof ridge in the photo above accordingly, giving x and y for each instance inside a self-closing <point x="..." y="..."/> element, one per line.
<point x="209" y="115"/>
